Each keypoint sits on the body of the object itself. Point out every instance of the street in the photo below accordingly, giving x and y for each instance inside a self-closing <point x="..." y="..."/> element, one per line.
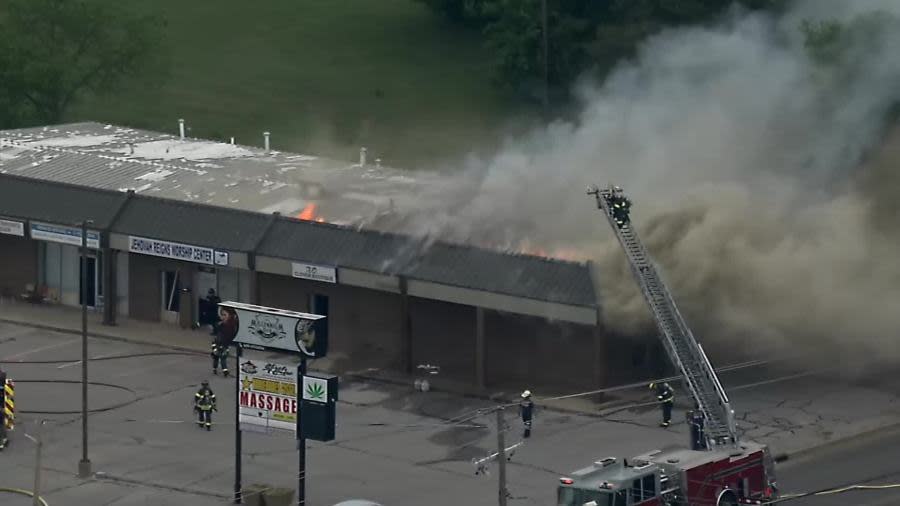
<point x="394" y="445"/>
<point x="868" y="460"/>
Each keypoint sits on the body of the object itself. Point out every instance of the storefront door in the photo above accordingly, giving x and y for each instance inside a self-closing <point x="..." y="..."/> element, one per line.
<point x="171" y="296"/>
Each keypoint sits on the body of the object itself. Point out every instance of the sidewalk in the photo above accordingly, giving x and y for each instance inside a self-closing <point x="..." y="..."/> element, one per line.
<point x="68" y="319"/>
<point x="791" y="413"/>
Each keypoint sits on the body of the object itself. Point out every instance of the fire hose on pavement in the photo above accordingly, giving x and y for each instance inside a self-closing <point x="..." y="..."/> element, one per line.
<point x="21" y="491"/>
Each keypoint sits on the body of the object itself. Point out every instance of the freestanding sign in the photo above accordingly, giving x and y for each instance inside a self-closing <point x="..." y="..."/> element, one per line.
<point x="267" y="397"/>
<point x="268" y="329"/>
<point x="318" y="400"/>
<point x="264" y="388"/>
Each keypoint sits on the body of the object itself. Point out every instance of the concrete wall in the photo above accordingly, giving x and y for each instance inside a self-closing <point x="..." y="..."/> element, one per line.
<point x="529" y="352"/>
<point x="145" y="284"/>
<point x="18" y="264"/>
<point x="443" y="334"/>
<point x="365" y="325"/>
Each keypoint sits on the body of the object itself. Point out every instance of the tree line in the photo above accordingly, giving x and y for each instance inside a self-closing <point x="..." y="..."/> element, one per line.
<point x="54" y="53"/>
<point x="581" y="35"/>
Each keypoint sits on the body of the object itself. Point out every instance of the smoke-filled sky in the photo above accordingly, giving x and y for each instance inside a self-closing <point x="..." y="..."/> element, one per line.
<point x="752" y="174"/>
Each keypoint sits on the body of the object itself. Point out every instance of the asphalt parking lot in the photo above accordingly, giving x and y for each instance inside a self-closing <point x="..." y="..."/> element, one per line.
<point x="394" y="445"/>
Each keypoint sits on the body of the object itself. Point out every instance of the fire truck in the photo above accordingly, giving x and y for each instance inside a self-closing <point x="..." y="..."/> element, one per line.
<point x="718" y="468"/>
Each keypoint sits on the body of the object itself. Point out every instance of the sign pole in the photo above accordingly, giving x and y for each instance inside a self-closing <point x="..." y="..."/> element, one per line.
<point x="301" y="440"/>
<point x="84" y="465"/>
<point x="238" y="495"/>
<point x="502" y="494"/>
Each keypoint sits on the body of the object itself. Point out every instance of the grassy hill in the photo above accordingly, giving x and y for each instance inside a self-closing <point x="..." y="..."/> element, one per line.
<point x="323" y="76"/>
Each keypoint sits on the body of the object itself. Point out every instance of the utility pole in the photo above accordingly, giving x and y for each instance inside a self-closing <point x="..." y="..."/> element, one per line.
<point x="546" y="57"/>
<point x="501" y="457"/>
<point x="301" y="440"/>
<point x="39" y="445"/>
<point x="238" y="489"/>
<point x="84" y="466"/>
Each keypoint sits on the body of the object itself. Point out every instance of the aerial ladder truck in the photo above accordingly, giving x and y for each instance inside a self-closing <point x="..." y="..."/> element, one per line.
<point x="718" y="468"/>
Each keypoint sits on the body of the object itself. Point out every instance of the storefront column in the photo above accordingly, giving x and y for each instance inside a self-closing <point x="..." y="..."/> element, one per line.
<point x="601" y="359"/>
<point x="405" y="329"/>
<point x="110" y="284"/>
<point x="480" y="348"/>
<point x="254" y="287"/>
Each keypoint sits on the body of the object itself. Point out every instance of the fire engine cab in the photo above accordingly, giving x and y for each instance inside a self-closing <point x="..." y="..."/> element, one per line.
<point x="674" y="477"/>
<point x="718" y="469"/>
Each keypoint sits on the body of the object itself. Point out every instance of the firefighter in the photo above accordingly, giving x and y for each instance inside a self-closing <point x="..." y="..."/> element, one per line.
<point x="225" y="331"/>
<point x="204" y="405"/>
<point x="695" y="421"/>
<point x="526" y="410"/>
<point x="212" y="311"/>
<point x="666" y="397"/>
<point x="219" y="354"/>
<point x="4" y="440"/>
<point x="620" y="207"/>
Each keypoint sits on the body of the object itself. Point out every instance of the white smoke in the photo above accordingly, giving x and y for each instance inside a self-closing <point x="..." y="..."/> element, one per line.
<point x="742" y="157"/>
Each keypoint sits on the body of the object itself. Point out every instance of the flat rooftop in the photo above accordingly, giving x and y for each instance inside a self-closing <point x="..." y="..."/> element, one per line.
<point x="203" y="171"/>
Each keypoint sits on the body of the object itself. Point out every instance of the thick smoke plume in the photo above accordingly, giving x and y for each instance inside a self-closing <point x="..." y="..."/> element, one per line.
<point x="758" y="174"/>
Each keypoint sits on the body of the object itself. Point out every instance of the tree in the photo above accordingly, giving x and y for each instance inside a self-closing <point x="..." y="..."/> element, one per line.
<point x="56" y="51"/>
<point x="467" y="12"/>
<point x="515" y="36"/>
<point x="582" y="34"/>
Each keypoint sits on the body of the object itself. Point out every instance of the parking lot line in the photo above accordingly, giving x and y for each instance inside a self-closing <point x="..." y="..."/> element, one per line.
<point x="42" y="348"/>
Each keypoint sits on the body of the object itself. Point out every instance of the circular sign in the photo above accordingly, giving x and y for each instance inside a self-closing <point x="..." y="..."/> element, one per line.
<point x="305" y="337"/>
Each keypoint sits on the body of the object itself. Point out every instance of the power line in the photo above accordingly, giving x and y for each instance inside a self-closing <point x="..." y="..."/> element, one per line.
<point x="105" y="357"/>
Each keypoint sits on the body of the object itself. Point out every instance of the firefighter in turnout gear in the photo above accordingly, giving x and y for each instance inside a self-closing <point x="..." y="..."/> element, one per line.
<point x="621" y="205"/>
<point x="204" y="405"/>
<point x="666" y="397"/>
<point x="526" y="410"/>
<point x="219" y="354"/>
<point x="4" y="403"/>
<point x="225" y="332"/>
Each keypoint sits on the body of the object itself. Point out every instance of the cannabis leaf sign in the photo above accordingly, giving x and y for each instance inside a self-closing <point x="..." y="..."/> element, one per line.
<point x="314" y="391"/>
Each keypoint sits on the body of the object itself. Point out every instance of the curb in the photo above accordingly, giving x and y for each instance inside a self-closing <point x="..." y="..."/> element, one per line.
<point x="99" y="335"/>
<point x="487" y="396"/>
<point x="779" y="458"/>
<point x="784" y="457"/>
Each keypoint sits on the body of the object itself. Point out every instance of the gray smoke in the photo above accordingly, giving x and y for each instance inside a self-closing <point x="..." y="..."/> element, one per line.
<point x="755" y="173"/>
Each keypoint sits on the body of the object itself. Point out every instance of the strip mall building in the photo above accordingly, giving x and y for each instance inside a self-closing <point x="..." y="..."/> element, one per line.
<point x="157" y="243"/>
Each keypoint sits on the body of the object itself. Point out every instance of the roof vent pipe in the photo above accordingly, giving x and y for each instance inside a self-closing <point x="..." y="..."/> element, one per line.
<point x="131" y="147"/>
<point x="378" y="163"/>
<point x="362" y="157"/>
<point x="232" y="141"/>
<point x="266" y="136"/>
<point x="181" y="128"/>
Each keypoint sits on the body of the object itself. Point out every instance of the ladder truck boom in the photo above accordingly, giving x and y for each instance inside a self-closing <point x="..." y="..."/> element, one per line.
<point x="678" y="340"/>
<point x="717" y="469"/>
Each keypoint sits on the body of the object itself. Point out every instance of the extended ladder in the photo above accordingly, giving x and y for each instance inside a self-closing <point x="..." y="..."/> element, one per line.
<point x="679" y="342"/>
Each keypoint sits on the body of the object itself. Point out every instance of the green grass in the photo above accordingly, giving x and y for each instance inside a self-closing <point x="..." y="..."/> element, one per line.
<point x="309" y="71"/>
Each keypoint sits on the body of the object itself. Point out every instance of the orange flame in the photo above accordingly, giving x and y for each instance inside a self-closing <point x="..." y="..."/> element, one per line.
<point x="309" y="213"/>
<point x="560" y="253"/>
